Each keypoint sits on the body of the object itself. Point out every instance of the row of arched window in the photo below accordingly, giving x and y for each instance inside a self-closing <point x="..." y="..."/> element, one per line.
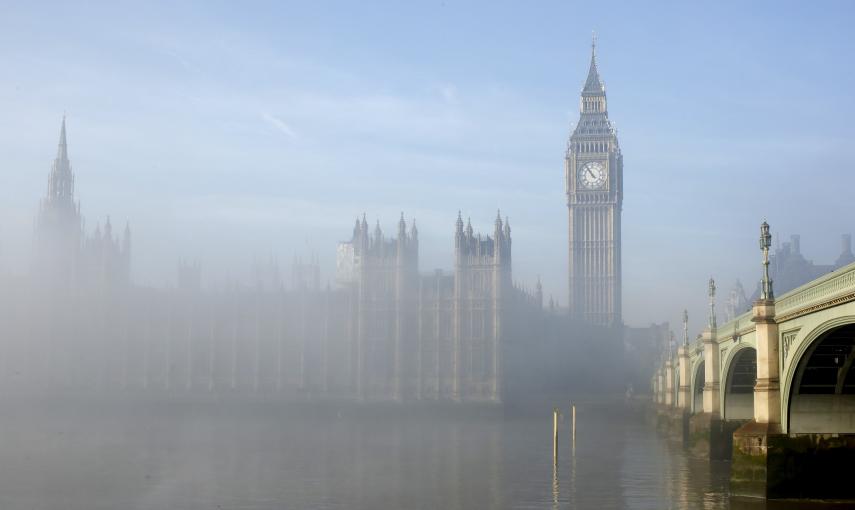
<point x="594" y="104"/>
<point x="592" y="146"/>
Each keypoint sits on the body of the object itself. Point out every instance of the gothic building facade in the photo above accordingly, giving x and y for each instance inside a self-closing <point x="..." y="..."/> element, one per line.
<point x="427" y="336"/>
<point x="385" y="332"/>
<point x="593" y="174"/>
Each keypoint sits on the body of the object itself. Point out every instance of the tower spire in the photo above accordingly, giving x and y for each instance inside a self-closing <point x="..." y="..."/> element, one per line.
<point x="593" y="84"/>
<point x="61" y="179"/>
<point x="593" y="43"/>
<point x="62" y="149"/>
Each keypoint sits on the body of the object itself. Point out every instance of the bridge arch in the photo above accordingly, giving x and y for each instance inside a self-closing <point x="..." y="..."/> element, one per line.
<point x="740" y="375"/>
<point x="819" y="390"/>
<point x="696" y="396"/>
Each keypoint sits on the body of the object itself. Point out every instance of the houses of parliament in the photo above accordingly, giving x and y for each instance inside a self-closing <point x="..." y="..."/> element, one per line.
<point x="385" y="331"/>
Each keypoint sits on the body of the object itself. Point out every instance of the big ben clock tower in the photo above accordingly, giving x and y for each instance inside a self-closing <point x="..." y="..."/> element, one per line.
<point x="593" y="177"/>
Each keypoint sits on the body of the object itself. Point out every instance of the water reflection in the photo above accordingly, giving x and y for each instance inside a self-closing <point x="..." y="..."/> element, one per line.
<point x="257" y="456"/>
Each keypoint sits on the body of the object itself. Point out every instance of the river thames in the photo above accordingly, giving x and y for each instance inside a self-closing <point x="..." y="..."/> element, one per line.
<point x="181" y="455"/>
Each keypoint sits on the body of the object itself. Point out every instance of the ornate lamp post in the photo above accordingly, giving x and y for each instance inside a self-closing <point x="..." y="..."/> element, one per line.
<point x="671" y="345"/>
<point x="712" y="303"/>
<point x="685" y="328"/>
<point x="766" y="293"/>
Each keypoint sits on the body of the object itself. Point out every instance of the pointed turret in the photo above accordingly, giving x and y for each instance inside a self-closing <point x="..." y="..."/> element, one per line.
<point x="414" y="232"/>
<point x="108" y="230"/>
<point x="469" y="230"/>
<point x="62" y="150"/>
<point x="360" y="235"/>
<point x="459" y="224"/>
<point x="507" y="228"/>
<point x="402" y="228"/>
<point x="846" y="256"/>
<point x="126" y="240"/>
<point x="378" y="233"/>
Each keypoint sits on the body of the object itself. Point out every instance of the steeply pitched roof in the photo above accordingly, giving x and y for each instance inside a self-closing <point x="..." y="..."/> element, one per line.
<point x="593" y="85"/>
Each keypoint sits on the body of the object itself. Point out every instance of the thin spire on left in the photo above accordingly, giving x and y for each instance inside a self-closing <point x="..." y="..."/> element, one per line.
<point x="61" y="180"/>
<point x="62" y="150"/>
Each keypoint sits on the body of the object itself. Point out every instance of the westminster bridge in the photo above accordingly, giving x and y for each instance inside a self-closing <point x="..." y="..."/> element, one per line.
<point x="773" y="390"/>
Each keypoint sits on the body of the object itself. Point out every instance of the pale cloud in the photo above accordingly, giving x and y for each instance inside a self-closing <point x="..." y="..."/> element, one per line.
<point x="279" y="124"/>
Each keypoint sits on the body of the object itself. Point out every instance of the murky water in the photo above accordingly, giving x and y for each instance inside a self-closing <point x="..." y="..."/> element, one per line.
<point x="229" y="456"/>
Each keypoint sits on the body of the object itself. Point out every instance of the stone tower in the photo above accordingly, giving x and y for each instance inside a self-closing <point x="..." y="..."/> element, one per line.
<point x="59" y="227"/>
<point x="482" y="283"/>
<point x="386" y="287"/>
<point x="63" y="256"/>
<point x="593" y="175"/>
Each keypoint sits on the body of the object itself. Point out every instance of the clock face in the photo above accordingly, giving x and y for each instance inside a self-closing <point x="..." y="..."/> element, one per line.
<point x="592" y="175"/>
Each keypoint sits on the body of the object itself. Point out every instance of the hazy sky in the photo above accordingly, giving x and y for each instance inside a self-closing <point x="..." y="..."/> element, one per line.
<point x="227" y="131"/>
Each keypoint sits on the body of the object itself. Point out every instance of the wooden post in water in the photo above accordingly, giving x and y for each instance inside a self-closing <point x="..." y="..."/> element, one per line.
<point x="555" y="435"/>
<point x="574" y="425"/>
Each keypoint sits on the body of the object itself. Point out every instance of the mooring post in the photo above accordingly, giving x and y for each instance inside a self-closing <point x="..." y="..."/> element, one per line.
<point x="555" y="435"/>
<point x="573" y="412"/>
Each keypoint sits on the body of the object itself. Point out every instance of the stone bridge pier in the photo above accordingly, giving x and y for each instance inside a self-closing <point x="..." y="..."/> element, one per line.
<point x="773" y="390"/>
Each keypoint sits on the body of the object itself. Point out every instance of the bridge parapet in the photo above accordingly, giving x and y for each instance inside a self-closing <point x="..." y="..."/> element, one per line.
<point x="739" y="326"/>
<point x="823" y="292"/>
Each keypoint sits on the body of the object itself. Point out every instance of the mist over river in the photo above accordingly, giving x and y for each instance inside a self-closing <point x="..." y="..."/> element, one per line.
<point x="217" y="455"/>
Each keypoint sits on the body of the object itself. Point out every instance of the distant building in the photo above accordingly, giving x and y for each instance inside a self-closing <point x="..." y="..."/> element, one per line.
<point x="436" y="335"/>
<point x="305" y="275"/>
<point x="737" y="303"/>
<point x="64" y="257"/>
<point x="189" y="275"/>
<point x="789" y="269"/>
<point x="644" y="348"/>
<point x="386" y="332"/>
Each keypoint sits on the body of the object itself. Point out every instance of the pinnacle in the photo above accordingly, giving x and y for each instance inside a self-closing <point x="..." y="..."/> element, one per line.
<point x="593" y="85"/>
<point x="62" y="150"/>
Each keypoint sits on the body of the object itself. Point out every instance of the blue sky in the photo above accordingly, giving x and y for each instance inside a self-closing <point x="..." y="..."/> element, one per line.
<point x="228" y="131"/>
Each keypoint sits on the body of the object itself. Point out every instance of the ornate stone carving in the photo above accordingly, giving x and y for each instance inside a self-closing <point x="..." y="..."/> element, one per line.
<point x="787" y="340"/>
